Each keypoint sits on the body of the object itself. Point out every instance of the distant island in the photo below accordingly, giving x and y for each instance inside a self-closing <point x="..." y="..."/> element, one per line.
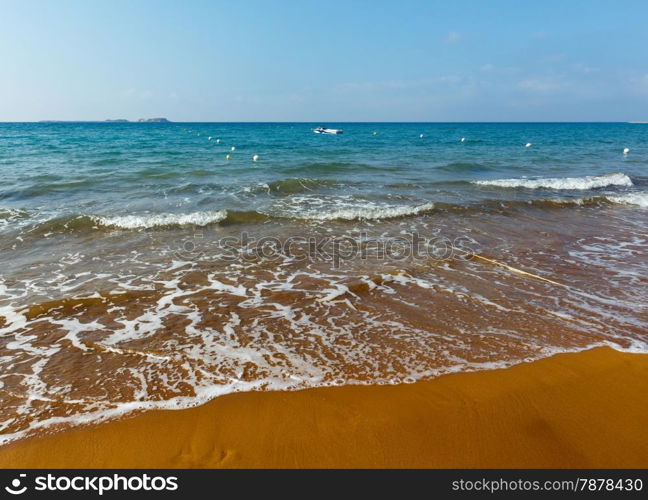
<point x="118" y="120"/>
<point x="153" y="120"/>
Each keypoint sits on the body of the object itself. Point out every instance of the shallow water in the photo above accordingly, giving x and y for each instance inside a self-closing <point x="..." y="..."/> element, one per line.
<point x="142" y="269"/>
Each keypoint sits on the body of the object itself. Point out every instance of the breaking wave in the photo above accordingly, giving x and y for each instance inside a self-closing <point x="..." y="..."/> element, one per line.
<point x="639" y="199"/>
<point x="161" y="220"/>
<point x="573" y="183"/>
<point x="80" y="223"/>
<point x="366" y="211"/>
<point x="316" y="210"/>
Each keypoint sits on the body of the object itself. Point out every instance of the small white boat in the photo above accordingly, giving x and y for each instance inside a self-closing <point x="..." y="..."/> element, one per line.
<point x="324" y="130"/>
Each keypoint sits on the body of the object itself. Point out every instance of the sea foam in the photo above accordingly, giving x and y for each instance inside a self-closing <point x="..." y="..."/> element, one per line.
<point x="356" y="211"/>
<point x="639" y="199"/>
<point x="575" y="183"/>
<point x="160" y="220"/>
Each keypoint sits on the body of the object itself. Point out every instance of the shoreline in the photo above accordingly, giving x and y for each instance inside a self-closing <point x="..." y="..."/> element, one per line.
<point x="571" y="410"/>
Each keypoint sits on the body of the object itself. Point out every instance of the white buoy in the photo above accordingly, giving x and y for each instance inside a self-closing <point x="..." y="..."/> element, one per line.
<point x="217" y="141"/>
<point x="227" y="157"/>
<point x="421" y="136"/>
<point x="255" y="157"/>
<point x="233" y="148"/>
<point x="209" y="138"/>
<point x="528" y="145"/>
<point x="463" y="139"/>
<point x="626" y="151"/>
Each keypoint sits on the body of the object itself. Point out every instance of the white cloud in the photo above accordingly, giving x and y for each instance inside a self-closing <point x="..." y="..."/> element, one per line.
<point x="445" y="79"/>
<point x="585" y="69"/>
<point x="452" y="37"/>
<point x="543" y="85"/>
<point x="143" y="94"/>
<point x="487" y="67"/>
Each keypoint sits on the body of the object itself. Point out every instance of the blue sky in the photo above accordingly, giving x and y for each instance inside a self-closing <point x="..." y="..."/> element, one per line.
<point x="284" y="60"/>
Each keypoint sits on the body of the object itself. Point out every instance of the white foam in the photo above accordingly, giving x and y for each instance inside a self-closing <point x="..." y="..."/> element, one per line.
<point x="360" y="211"/>
<point x="579" y="183"/>
<point x="14" y="320"/>
<point x="159" y="220"/>
<point x="284" y="341"/>
<point x="639" y="199"/>
<point x="217" y="285"/>
<point x="9" y="213"/>
<point x="8" y="216"/>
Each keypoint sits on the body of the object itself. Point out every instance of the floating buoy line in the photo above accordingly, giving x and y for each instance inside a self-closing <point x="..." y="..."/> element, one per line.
<point x="256" y="157"/>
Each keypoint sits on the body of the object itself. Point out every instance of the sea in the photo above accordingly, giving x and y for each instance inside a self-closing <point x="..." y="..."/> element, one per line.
<point x="160" y="265"/>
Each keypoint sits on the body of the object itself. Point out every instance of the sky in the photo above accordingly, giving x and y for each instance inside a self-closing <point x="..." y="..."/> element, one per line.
<point x="324" y="60"/>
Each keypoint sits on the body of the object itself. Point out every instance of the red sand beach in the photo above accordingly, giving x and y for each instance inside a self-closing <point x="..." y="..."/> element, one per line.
<point x="585" y="409"/>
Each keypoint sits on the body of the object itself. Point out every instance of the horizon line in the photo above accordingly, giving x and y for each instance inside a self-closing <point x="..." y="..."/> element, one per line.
<point x="119" y="121"/>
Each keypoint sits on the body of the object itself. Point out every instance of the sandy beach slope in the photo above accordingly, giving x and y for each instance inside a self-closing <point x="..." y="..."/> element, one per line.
<point x="586" y="409"/>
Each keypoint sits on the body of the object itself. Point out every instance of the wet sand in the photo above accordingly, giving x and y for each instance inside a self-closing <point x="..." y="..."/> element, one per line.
<point x="584" y="410"/>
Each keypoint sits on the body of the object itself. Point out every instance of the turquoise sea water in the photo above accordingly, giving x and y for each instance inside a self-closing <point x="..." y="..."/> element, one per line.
<point x="140" y="268"/>
<point x="67" y="169"/>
